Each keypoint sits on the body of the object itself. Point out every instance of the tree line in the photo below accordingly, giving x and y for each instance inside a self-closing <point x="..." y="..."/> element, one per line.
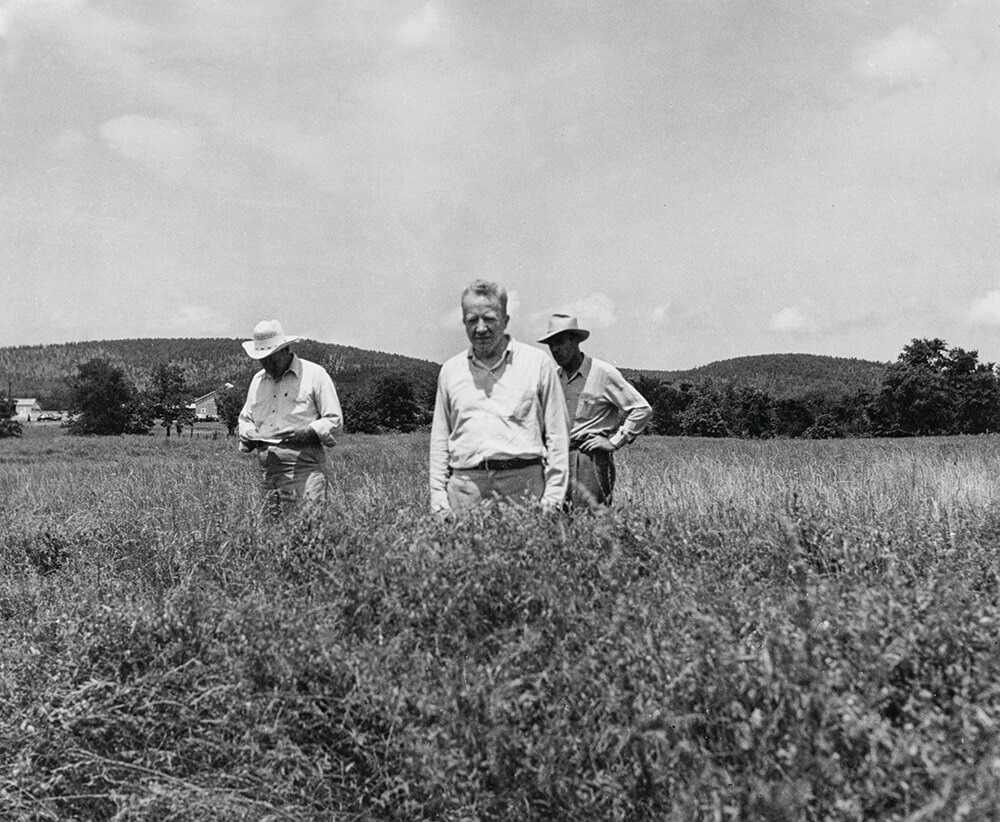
<point x="931" y="389"/>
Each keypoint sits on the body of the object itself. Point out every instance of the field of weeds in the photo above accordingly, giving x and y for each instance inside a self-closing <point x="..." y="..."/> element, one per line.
<point x="778" y="630"/>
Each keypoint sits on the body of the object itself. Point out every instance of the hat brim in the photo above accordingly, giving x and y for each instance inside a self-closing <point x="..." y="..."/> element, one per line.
<point x="582" y="333"/>
<point x="260" y="353"/>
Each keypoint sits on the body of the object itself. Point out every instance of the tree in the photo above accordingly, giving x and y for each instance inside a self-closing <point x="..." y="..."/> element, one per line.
<point x="167" y="396"/>
<point x="931" y="390"/>
<point x="667" y="401"/>
<point x="9" y="427"/>
<point x="824" y="427"/>
<point x="389" y="404"/>
<point x="975" y="393"/>
<point x="703" y="418"/>
<point x="105" y="401"/>
<point x="792" y="417"/>
<point x="229" y="402"/>
<point x="749" y="412"/>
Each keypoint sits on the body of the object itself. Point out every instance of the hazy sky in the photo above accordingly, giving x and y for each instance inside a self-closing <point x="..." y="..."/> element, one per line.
<point x="696" y="179"/>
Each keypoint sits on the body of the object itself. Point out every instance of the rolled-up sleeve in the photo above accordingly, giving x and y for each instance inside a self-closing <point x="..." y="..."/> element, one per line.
<point x="636" y="409"/>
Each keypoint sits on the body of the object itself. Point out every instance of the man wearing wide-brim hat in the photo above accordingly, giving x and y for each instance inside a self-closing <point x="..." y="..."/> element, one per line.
<point x="606" y="412"/>
<point x="290" y="417"/>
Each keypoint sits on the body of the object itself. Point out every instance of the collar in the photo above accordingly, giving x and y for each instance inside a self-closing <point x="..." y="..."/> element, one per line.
<point x="507" y="356"/>
<point x="583" y="370"/>
<point x="295" y="366"/>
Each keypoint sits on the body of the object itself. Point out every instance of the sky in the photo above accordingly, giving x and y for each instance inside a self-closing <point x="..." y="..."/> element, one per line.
<point x="695" y="180"/>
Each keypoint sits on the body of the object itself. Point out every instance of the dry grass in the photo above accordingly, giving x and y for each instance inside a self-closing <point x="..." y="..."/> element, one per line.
<point x="760" y="630"/>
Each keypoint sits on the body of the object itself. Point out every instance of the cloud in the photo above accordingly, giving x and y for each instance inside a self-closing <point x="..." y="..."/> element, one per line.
<point x="789" y="318"/>
<point x="162" y="145"/>
<point x="659" y="314"/>
<point x="985" y="310"/>
<point x="593" y="311"/>
<point x="197" y="319"/>
<point x="905" y="57"/>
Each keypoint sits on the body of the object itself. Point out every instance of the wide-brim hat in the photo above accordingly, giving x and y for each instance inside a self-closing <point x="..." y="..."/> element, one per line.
<point x="268" y="337"/>
<point x="563" y="324"/>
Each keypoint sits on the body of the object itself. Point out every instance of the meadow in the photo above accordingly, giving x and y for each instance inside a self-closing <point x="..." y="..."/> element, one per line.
<point x="760" y="630"/>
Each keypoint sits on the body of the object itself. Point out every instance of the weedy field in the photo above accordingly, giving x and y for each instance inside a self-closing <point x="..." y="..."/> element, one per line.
<point x="778" y="630"/>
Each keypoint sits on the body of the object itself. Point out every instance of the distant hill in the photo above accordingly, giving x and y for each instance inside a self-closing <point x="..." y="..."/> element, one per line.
<point x="781" y="375"/>
<point x="41" y="371"/>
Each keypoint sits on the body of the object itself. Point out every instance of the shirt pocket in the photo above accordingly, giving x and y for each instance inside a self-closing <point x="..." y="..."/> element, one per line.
<point x="522" y="407"/>
<point x="587" y="406"/>
<point x="302" y="403"/>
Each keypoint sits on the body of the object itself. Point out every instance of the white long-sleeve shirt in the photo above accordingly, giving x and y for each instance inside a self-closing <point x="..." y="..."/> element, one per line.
<point x="515" y="409"/>
<point x="602" y="402"/>
<point x="304" y="395"/>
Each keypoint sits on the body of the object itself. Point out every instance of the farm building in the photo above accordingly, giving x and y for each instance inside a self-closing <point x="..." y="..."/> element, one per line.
<point x="205" y="407"/>
<point x="26" y="408"/>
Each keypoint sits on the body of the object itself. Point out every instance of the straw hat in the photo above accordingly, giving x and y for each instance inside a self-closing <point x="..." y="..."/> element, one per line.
<point x="268" y="337"/>
<point x="562" y="323"/>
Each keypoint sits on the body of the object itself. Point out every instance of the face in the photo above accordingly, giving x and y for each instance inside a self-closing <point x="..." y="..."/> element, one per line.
<point x="276" y="364"/>
<point x="565" y="348"/>
<point x="485" y="324"/>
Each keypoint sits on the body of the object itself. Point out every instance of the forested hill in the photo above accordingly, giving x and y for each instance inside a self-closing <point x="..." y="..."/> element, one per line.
<point x="780" y="375"/>
<point x="41" y="371"/>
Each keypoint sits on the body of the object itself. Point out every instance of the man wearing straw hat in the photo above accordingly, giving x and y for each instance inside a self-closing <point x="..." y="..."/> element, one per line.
<point x="606" y="412"/>
<point x="500" y="429"/>
<point x="291" y="414"/>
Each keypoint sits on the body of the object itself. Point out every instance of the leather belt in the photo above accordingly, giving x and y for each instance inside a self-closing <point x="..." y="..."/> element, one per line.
<point x="505" y="464"/>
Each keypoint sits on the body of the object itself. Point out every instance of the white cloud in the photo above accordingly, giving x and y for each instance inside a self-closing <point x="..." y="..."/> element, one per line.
<point x="163" y="145"/>
<point x="593" y="311"/>
<point x="906" y="56"/>
<point x="986" y="310"/>
<point x="197" y="319"/>
<point x="789" y="318"/>
<point x="659" y="314"/>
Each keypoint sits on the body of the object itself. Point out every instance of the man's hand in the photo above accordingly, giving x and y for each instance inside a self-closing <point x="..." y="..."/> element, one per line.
<point x="301" y="436"/>
<point x="246" y="444"/>
<point x="597" y="443"/>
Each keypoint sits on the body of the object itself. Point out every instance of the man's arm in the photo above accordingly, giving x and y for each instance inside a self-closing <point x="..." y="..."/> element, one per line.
<point x="638" y="412"/>
<point x="556" y="435"/>
<point x="635" y="411"/>
<point x="244" y="423"/>
<point x="331" y="418"/>
<point x="438" y="463"/>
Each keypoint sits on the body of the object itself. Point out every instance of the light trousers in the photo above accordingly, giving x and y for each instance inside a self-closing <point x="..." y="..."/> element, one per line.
<point x="467" y="489"/>
<point x="291" y="477"/>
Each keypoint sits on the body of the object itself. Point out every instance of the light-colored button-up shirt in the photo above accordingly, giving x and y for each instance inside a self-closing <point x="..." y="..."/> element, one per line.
<point x="515" y="409"/>
<point x="602" y="402"/>
<point x="305" y="395"/>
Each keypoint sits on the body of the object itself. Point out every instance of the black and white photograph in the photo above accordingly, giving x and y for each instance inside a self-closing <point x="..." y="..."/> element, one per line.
<point x="460" y="411"/>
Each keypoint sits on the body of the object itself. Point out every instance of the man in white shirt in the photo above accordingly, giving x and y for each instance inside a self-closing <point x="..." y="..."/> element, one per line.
<point x="500" y="428"/>
<point x="606" y="412"/>
<point x="291" y="415"/>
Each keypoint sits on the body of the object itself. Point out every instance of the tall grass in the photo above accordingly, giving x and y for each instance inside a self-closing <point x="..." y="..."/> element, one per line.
<point x="759" y="630"/>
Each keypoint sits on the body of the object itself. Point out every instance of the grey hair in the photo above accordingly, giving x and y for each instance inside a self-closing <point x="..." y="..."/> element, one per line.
<point x="487" y="288"/>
